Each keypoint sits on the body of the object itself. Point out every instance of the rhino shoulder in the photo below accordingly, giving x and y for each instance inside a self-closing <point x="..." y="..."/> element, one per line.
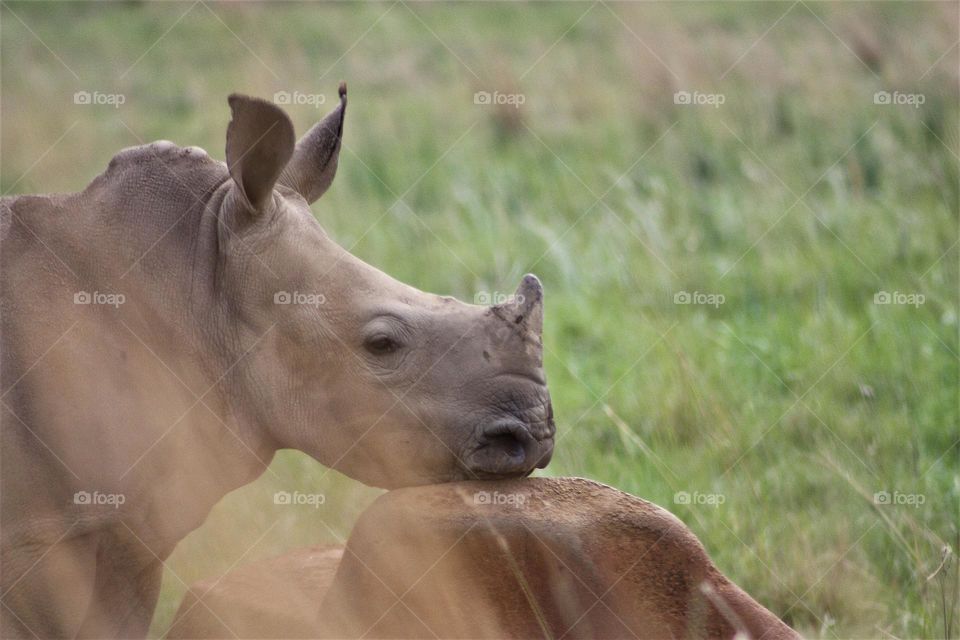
<point x="163" y="159"/>
<point x="159" y="150"/>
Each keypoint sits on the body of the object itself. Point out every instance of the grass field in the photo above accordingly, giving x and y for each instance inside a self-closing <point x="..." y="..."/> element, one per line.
<point x="782" y="200"/>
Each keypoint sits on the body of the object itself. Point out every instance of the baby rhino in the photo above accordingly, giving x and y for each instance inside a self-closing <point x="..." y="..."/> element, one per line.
<point x="169" y="328"/>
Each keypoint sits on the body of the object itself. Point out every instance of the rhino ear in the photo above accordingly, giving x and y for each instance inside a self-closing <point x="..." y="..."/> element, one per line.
<point x="260" y="142"/>
<point x="315" y="159"/>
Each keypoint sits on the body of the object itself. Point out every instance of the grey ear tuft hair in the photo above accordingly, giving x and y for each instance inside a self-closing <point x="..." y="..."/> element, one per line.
<point x="315" y="158"/>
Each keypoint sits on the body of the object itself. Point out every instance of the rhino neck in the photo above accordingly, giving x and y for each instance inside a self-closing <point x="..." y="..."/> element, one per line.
<point x="125" y="394"/>
<point x="181" y="314"/>
<point x="170" y="265"/>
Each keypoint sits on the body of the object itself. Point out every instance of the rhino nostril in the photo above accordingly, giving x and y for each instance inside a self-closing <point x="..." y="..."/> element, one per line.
<point x="509" y="436"/>
<point x="504" y="448"/>
<point x="509" y="445"/>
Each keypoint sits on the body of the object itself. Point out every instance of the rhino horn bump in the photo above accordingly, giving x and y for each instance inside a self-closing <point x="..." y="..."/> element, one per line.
<point x="527" y="304"/>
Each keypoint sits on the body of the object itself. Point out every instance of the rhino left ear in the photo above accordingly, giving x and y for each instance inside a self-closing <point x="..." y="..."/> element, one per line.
<point x="317" y="154"/>
<point x="260" y="141"/>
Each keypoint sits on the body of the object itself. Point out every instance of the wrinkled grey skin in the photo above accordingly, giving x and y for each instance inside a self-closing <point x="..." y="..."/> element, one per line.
<point x="185" y="390"/>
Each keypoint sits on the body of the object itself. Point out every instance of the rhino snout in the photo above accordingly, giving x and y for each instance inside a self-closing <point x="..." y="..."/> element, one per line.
<point x="513" y="447"/>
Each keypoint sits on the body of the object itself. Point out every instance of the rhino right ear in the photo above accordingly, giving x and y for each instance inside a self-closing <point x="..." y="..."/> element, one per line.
<point x="260" y="142"/>
<point x="315" y="160"/>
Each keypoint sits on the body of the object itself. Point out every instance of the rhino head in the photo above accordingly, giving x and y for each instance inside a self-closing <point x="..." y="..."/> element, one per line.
<point x="386" y="383"/>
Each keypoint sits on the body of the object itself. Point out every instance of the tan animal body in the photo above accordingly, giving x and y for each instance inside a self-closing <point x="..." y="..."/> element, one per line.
<point x="537" y="558"/>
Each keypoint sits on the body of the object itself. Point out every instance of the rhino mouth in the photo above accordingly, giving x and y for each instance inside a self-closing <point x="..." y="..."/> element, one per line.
<point x="508" y="448"/>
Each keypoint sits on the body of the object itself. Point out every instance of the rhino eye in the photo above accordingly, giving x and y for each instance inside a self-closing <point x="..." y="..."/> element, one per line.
<point x="381" y="345"/>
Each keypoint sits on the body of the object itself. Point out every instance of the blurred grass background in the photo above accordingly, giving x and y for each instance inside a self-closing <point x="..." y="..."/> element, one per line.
<point x="797" y="199"/>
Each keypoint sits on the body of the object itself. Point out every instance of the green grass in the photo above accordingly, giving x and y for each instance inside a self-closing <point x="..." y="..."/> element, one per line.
<point x="797" y="200"/>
